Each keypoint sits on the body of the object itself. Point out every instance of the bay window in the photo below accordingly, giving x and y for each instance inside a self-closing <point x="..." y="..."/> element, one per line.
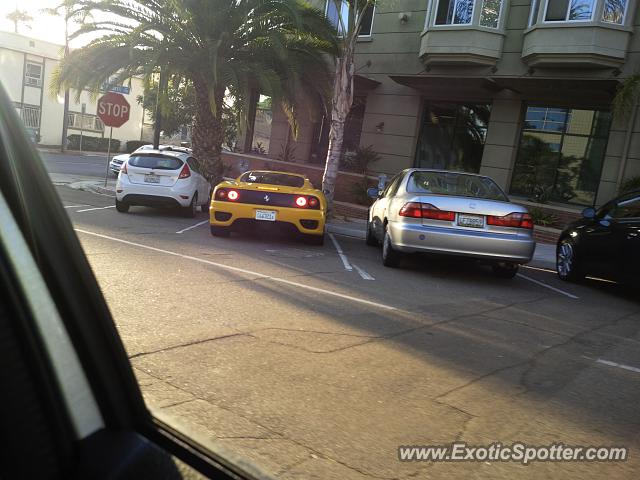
<point x="454" y="12"/>
<point x="569" y="10"/>
<point x="490" y="13"/>
<point x="614" y="11"/>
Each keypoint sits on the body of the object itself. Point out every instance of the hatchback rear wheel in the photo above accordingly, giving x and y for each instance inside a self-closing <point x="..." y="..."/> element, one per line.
<point x="192" y="209"/>
<point x="122" y="207"/>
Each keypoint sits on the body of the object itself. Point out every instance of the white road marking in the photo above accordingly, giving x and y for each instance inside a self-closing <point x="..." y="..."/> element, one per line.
<point x="95" y="208"/>
<point x="193" y="226"/>
<point x="618" y="365"/>
<point x="362" y="273"/>
<point x="343" y="257"/>
<point x="245" y="271"/>
<point x="76" y="206"/>
<point x="529" y="267"/>
<point x="557" y="290"/>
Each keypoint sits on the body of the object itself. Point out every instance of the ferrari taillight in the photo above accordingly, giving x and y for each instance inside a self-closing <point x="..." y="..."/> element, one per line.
<point x="301" y="202"/>
<point x="233" y="195"/>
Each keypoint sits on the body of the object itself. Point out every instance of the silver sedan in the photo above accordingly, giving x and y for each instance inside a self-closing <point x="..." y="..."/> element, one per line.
<point x="453" y="213"/>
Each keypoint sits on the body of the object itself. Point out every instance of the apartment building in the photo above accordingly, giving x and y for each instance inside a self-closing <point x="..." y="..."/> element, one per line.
<point x="519" y="90"/>
<point x="26" y="68"/>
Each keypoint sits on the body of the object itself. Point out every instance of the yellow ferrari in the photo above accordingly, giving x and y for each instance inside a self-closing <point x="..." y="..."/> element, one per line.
<point x="267" y="197"/>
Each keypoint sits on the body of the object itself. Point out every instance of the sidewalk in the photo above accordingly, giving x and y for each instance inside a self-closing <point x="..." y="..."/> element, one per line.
<point x="543" y="257"/>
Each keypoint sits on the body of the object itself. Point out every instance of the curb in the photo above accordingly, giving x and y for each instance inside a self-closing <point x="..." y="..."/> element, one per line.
<point x="93" y="187"/>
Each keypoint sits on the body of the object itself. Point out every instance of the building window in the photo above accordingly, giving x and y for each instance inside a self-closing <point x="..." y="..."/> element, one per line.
<point x="340" y="19"/>
<point x="614" y="11"/>
<point x="85" y="122"/>
<point x="490" y="13"/>
<point x="561" y="154"/>
<point x="454" y="12"/>
<point x="569" y="10"/>
<point x="452" y="136"/>
<point x="33" y="74"/>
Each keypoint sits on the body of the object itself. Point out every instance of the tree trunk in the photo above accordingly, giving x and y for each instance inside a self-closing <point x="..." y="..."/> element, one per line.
<point x="340" y="107"/>
<point x="207" y="135"/>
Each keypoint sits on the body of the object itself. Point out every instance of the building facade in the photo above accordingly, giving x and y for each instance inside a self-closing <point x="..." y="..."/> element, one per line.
<point x="519" y="90"/>
<point x="26" y="68"/>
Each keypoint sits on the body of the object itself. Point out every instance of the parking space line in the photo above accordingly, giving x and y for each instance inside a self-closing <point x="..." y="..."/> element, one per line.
<point x="260" y="276"/>
<point x="557" y="290"/>
<point x="363" y="274"/>
<point x="193" y="226"/>
<point x="95" y="208"/>
<point x="618" y="365"/>
<point x="76" y="206"/>
<point x="343" y="257"/>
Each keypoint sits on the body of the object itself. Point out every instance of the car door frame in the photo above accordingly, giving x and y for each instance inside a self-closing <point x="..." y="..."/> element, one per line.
<point x="130" y="438"/>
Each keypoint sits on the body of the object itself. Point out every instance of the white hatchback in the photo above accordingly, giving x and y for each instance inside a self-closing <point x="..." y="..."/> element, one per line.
<point x="156" y="178"/>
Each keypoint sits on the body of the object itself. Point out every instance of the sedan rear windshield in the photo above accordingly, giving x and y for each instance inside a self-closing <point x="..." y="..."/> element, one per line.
<point x="157" y="162"/>
<point x="272" y="178"/>
<point x="455" y="184"/>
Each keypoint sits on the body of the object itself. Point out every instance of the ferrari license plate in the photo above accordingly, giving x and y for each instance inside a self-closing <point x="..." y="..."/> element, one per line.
<point x="151" y="179"/>
<point x="476" y="221"/>
<point x="268" y="215"/>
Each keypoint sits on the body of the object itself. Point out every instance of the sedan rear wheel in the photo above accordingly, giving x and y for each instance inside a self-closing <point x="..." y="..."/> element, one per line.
<point x="390" y="256"/>
<point x="371" y="239"/>
<point x="567" y="265"/>
<point x="505" y="269"/>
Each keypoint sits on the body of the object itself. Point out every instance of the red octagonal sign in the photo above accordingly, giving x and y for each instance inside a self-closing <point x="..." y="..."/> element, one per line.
<point x="113" y="109"/>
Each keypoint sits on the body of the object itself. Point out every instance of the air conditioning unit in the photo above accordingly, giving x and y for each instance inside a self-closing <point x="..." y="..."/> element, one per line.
<point x="33" y="82"/>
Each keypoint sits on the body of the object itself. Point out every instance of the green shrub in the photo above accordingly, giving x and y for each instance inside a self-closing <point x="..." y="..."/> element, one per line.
<point x="93" y="144"/>
<point x="542" y="217"/>
<point x="360" y="160"/>
<point x="630" y="184"/>
<point x="133" y="145"/>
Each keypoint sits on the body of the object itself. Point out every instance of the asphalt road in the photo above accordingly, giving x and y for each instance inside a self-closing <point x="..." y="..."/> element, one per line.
<point x="87" y="165"/>
<point x="310" y="365"/>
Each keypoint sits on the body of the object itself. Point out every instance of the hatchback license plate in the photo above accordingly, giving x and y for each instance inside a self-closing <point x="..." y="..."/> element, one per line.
<point x="268" y="215"/>
<point x="151" y="179"/>
<point x="476" y="221"/>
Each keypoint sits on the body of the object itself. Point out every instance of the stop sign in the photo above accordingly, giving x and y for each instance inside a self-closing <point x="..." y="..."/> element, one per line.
<point x="113" y="109"/>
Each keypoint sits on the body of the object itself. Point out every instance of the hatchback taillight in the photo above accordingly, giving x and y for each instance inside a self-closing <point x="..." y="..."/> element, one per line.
<point x="185" y="172"/>
<point x="426" y="210"/>
<point x="515" y="220"/>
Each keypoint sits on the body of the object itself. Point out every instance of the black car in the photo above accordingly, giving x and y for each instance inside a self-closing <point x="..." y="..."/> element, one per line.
<point x="605" y="243"/>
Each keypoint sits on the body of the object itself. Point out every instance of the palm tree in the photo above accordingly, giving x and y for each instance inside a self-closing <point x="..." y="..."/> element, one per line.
<point x="18" y="17"/>
<point x="278" y="47"/>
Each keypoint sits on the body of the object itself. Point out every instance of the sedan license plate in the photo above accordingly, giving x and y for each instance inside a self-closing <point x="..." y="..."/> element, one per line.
<point x="268" y="215"/>
<point x="151" y="179"/>
<point x="476" y="221"/>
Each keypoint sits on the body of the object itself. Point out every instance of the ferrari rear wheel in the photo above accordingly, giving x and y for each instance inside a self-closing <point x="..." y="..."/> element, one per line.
<point x="220" y="231"/>
<point x="314" y="239"/>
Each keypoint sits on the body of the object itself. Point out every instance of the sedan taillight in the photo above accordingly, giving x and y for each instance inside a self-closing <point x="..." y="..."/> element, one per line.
<point x="515" y="220"/>
<point x="426" y="210"/>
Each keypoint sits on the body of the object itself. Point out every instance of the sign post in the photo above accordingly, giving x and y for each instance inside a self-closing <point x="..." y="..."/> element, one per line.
<point x="113" y="110"/>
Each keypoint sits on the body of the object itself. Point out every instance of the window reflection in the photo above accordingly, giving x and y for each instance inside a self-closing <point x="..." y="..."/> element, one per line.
<point x="452" y="136"/>
<point x="561" y="154"/>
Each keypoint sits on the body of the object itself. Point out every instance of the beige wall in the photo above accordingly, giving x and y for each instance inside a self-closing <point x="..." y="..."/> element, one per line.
<point x="15" y="50"/>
